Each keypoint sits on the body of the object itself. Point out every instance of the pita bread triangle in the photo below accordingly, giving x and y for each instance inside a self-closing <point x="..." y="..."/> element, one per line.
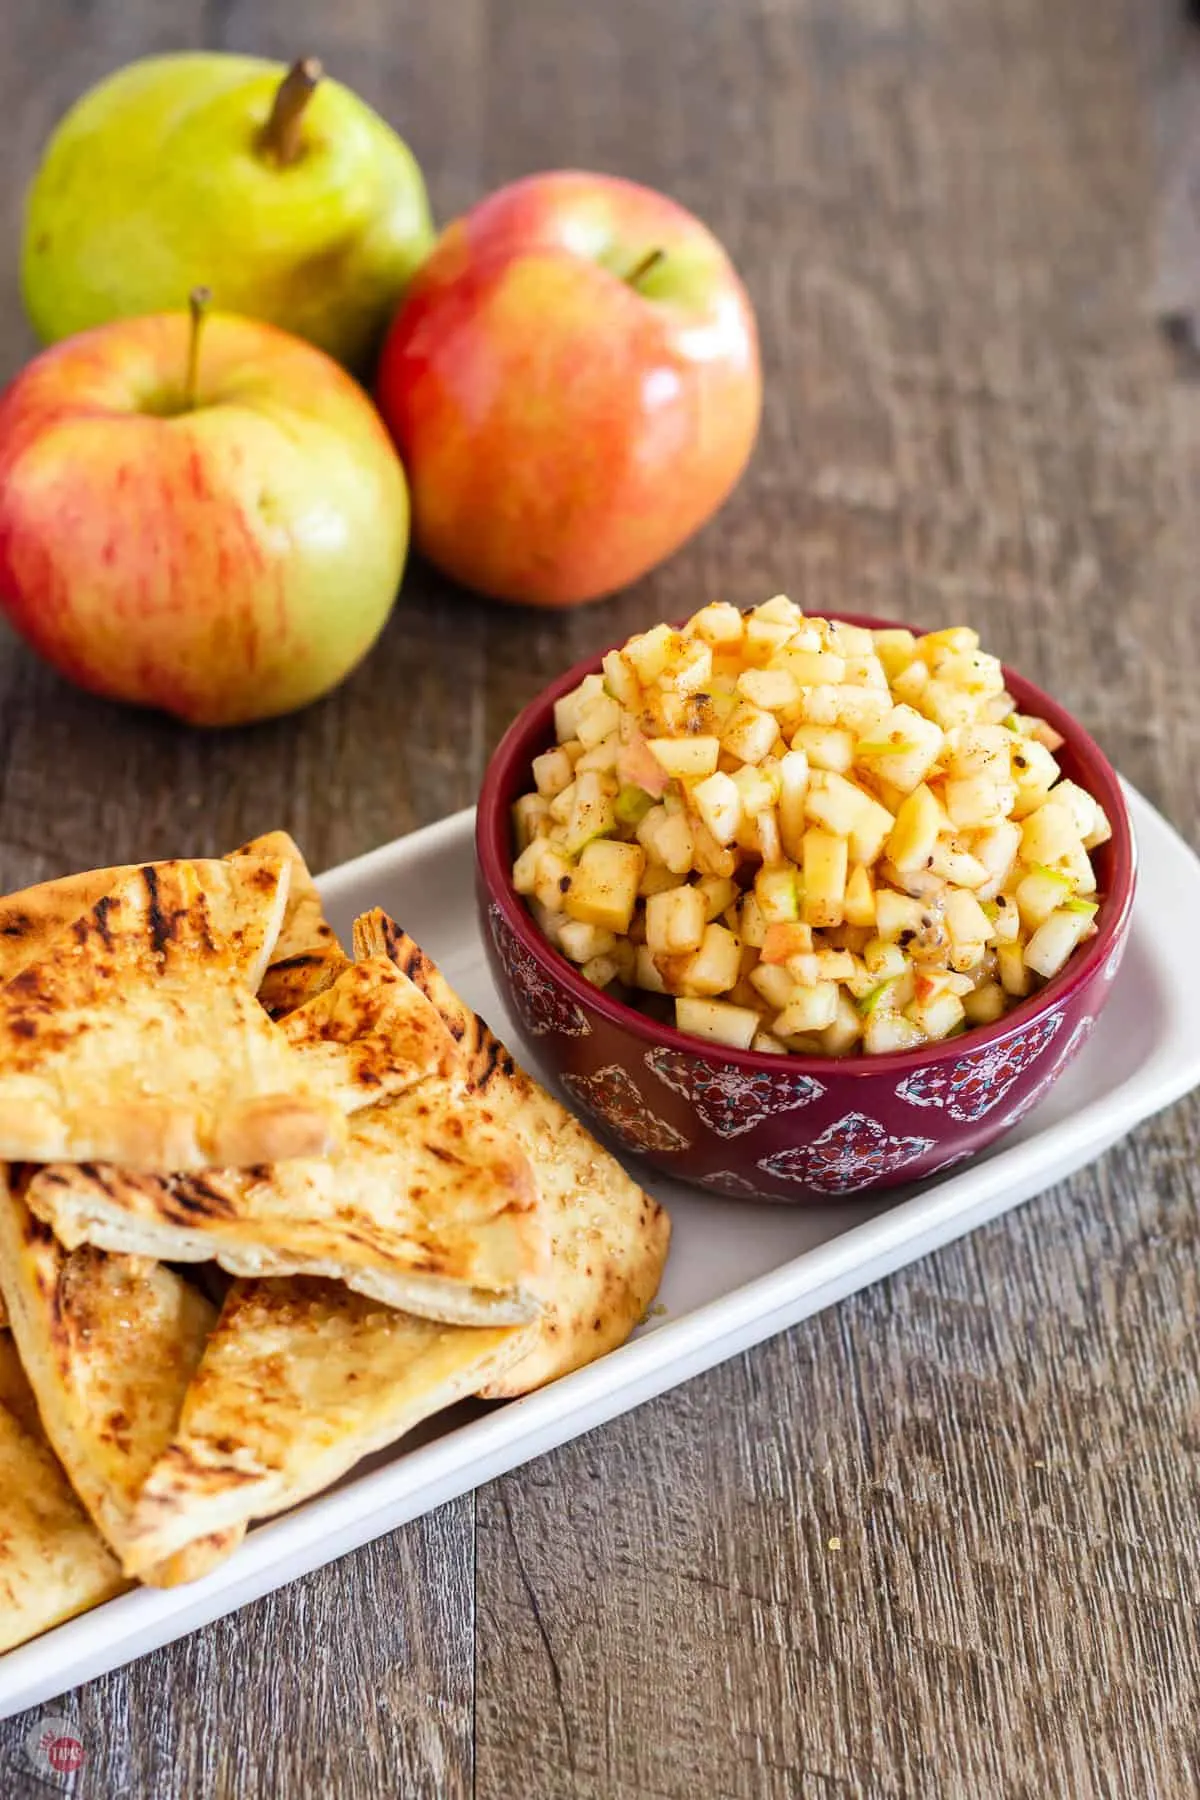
<point x="608" y="1239"/>
<point x="369" y="1034"/>
<point x="417" y="1211"/>
<point x="31" y="919"/>
<point x="136" y="1038"/>
<point x="53" y="1562"/>
<point x="108" y="1345"/>
<point x="300" y="1380"/>
<point x="307" y="956"/>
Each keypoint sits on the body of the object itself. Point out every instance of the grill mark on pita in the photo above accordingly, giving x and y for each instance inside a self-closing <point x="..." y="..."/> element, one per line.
<point x="17" y="926"/>
<point x="197" y="1198"/>
<point x="100" y="913"/>
<point x="302" y="960"/>
<point x="162" y="926"/>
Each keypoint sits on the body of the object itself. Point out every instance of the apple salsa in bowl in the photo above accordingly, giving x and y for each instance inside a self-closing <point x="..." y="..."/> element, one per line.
<point x="793" y="834"/>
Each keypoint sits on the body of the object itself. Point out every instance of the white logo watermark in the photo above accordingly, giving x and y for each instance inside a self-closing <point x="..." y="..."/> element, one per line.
<point x="54" y="1747"/>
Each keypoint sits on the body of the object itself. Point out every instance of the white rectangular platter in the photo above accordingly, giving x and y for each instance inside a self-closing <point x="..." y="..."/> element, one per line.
<point x="737" y="1273"/>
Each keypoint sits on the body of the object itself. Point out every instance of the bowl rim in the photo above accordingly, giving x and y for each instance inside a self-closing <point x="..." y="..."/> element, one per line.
<point x="493" y="848"/>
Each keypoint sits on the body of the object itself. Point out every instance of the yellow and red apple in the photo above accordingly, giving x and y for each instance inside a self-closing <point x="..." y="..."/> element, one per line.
<point x="573" y="383"/>
<point x="212" y="525"/>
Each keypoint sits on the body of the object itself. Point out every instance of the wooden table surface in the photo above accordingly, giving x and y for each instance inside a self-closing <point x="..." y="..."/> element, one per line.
<point x="942" y="1539"/>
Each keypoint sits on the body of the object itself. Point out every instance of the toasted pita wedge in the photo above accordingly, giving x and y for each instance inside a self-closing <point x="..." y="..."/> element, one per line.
<point x="427" y="1209"/>
<point x="31" y="919"/>
<point x="371" y="1034"/>
<point x="109" y="1345"/>
<point x="300" y="1380"/>
<point x="53" y="1562"/>
<point x="307" y="956"/>
<point x="608" y="1239"/>
<point x="135" y="1038"/>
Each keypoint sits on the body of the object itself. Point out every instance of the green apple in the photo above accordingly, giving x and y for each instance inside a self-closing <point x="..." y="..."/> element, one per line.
<point x="213" y="525"/>
<point x="279" y="190"/>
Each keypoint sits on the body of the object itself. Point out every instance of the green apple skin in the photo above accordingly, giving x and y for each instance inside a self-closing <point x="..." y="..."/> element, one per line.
<point x="154" y="183"/>
<point x="224" y="562"/>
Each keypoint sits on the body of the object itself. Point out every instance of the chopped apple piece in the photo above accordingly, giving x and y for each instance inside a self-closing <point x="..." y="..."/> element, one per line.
<point x="752" y="927"/>
<point x="719" y="624"/>
<point x="593" y="813"/>
<point x="904" y="748"/>
<point x="552" y="772"/>
<point x="604" y="886"/>
<point x="675" y="920"/>
<point x="826" y="746"/>
<point x="736" y="1026"/>
<point x="645" y="972"/>
<point x="840" y="1037"/>
<point x="793" y="774"/>
<point x="715" y="967"/>
<point x="860" y="896"/>
<point x="824" y="868"/>
<point x="937" y="1017"/>
<point x="718" y="894"/>
<point x="1049" y="834"/>
<point x="583" y="942"/>
<point x="975" y="802"/>
<point x="1040" y="893"/>
<point x="687" y="757"/>
<point x="525" y="869"/>
<point x="553" y="878"/>
<point x="913" y="838"/>
<point x="772" y="690"/>
<point x="897" y="914"/>
<point x="886" y="1031"/>
<point x="1056" y="937"/>
<point x="986" y="1003"/>
<point x="1015" y="978"/>
<point x="783" y="940"/>
<point x="750" y="733"/>
<point x="895" y="650"/>
<point x="777" y="894"/>
<point x="667" y="839"/>
<point x="952" y="862"/>
<point x="719" y="804"/>
<point x="530" y="814"/>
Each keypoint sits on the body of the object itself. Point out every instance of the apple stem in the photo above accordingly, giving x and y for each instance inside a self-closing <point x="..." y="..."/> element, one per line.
<point x="643" y="266"/>
<point x="280" y="136"/>
<point x="198" y="302"/>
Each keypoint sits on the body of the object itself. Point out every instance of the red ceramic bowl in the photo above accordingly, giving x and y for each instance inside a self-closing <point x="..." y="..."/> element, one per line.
<point x="792" y="1128"/>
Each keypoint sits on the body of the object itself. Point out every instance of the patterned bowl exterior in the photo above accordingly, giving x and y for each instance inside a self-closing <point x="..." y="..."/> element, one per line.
<point x="792" y="1129"/>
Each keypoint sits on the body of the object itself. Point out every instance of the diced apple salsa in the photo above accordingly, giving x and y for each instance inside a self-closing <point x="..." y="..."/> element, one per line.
<point x="807" y="836"/>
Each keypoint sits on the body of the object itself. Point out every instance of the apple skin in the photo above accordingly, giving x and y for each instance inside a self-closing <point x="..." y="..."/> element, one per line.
<point x="225" y="563"/>
<point x="564" y="431"/>
<point x="153" y="183"/>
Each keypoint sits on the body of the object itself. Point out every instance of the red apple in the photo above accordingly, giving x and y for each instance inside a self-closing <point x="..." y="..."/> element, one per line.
<point x="574" y="385"/>
<point x="209" y="521"/>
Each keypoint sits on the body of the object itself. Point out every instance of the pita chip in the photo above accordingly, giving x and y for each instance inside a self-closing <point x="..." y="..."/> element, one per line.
<point x="427" y="1209"/>
<point x="307" y="956"/>
<point x="136" y="1038"/>
<point x="53" y="1562"/>
<point x="32" y="918"/>
<point x="370" y="1034"/>
<point x="109" y="1345"/>
<point x="608" y="1239"/>
<point x="300" y="1380"/>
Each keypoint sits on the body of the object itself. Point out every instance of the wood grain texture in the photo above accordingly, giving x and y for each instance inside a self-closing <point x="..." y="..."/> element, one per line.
<point x="942" y="1540"/>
